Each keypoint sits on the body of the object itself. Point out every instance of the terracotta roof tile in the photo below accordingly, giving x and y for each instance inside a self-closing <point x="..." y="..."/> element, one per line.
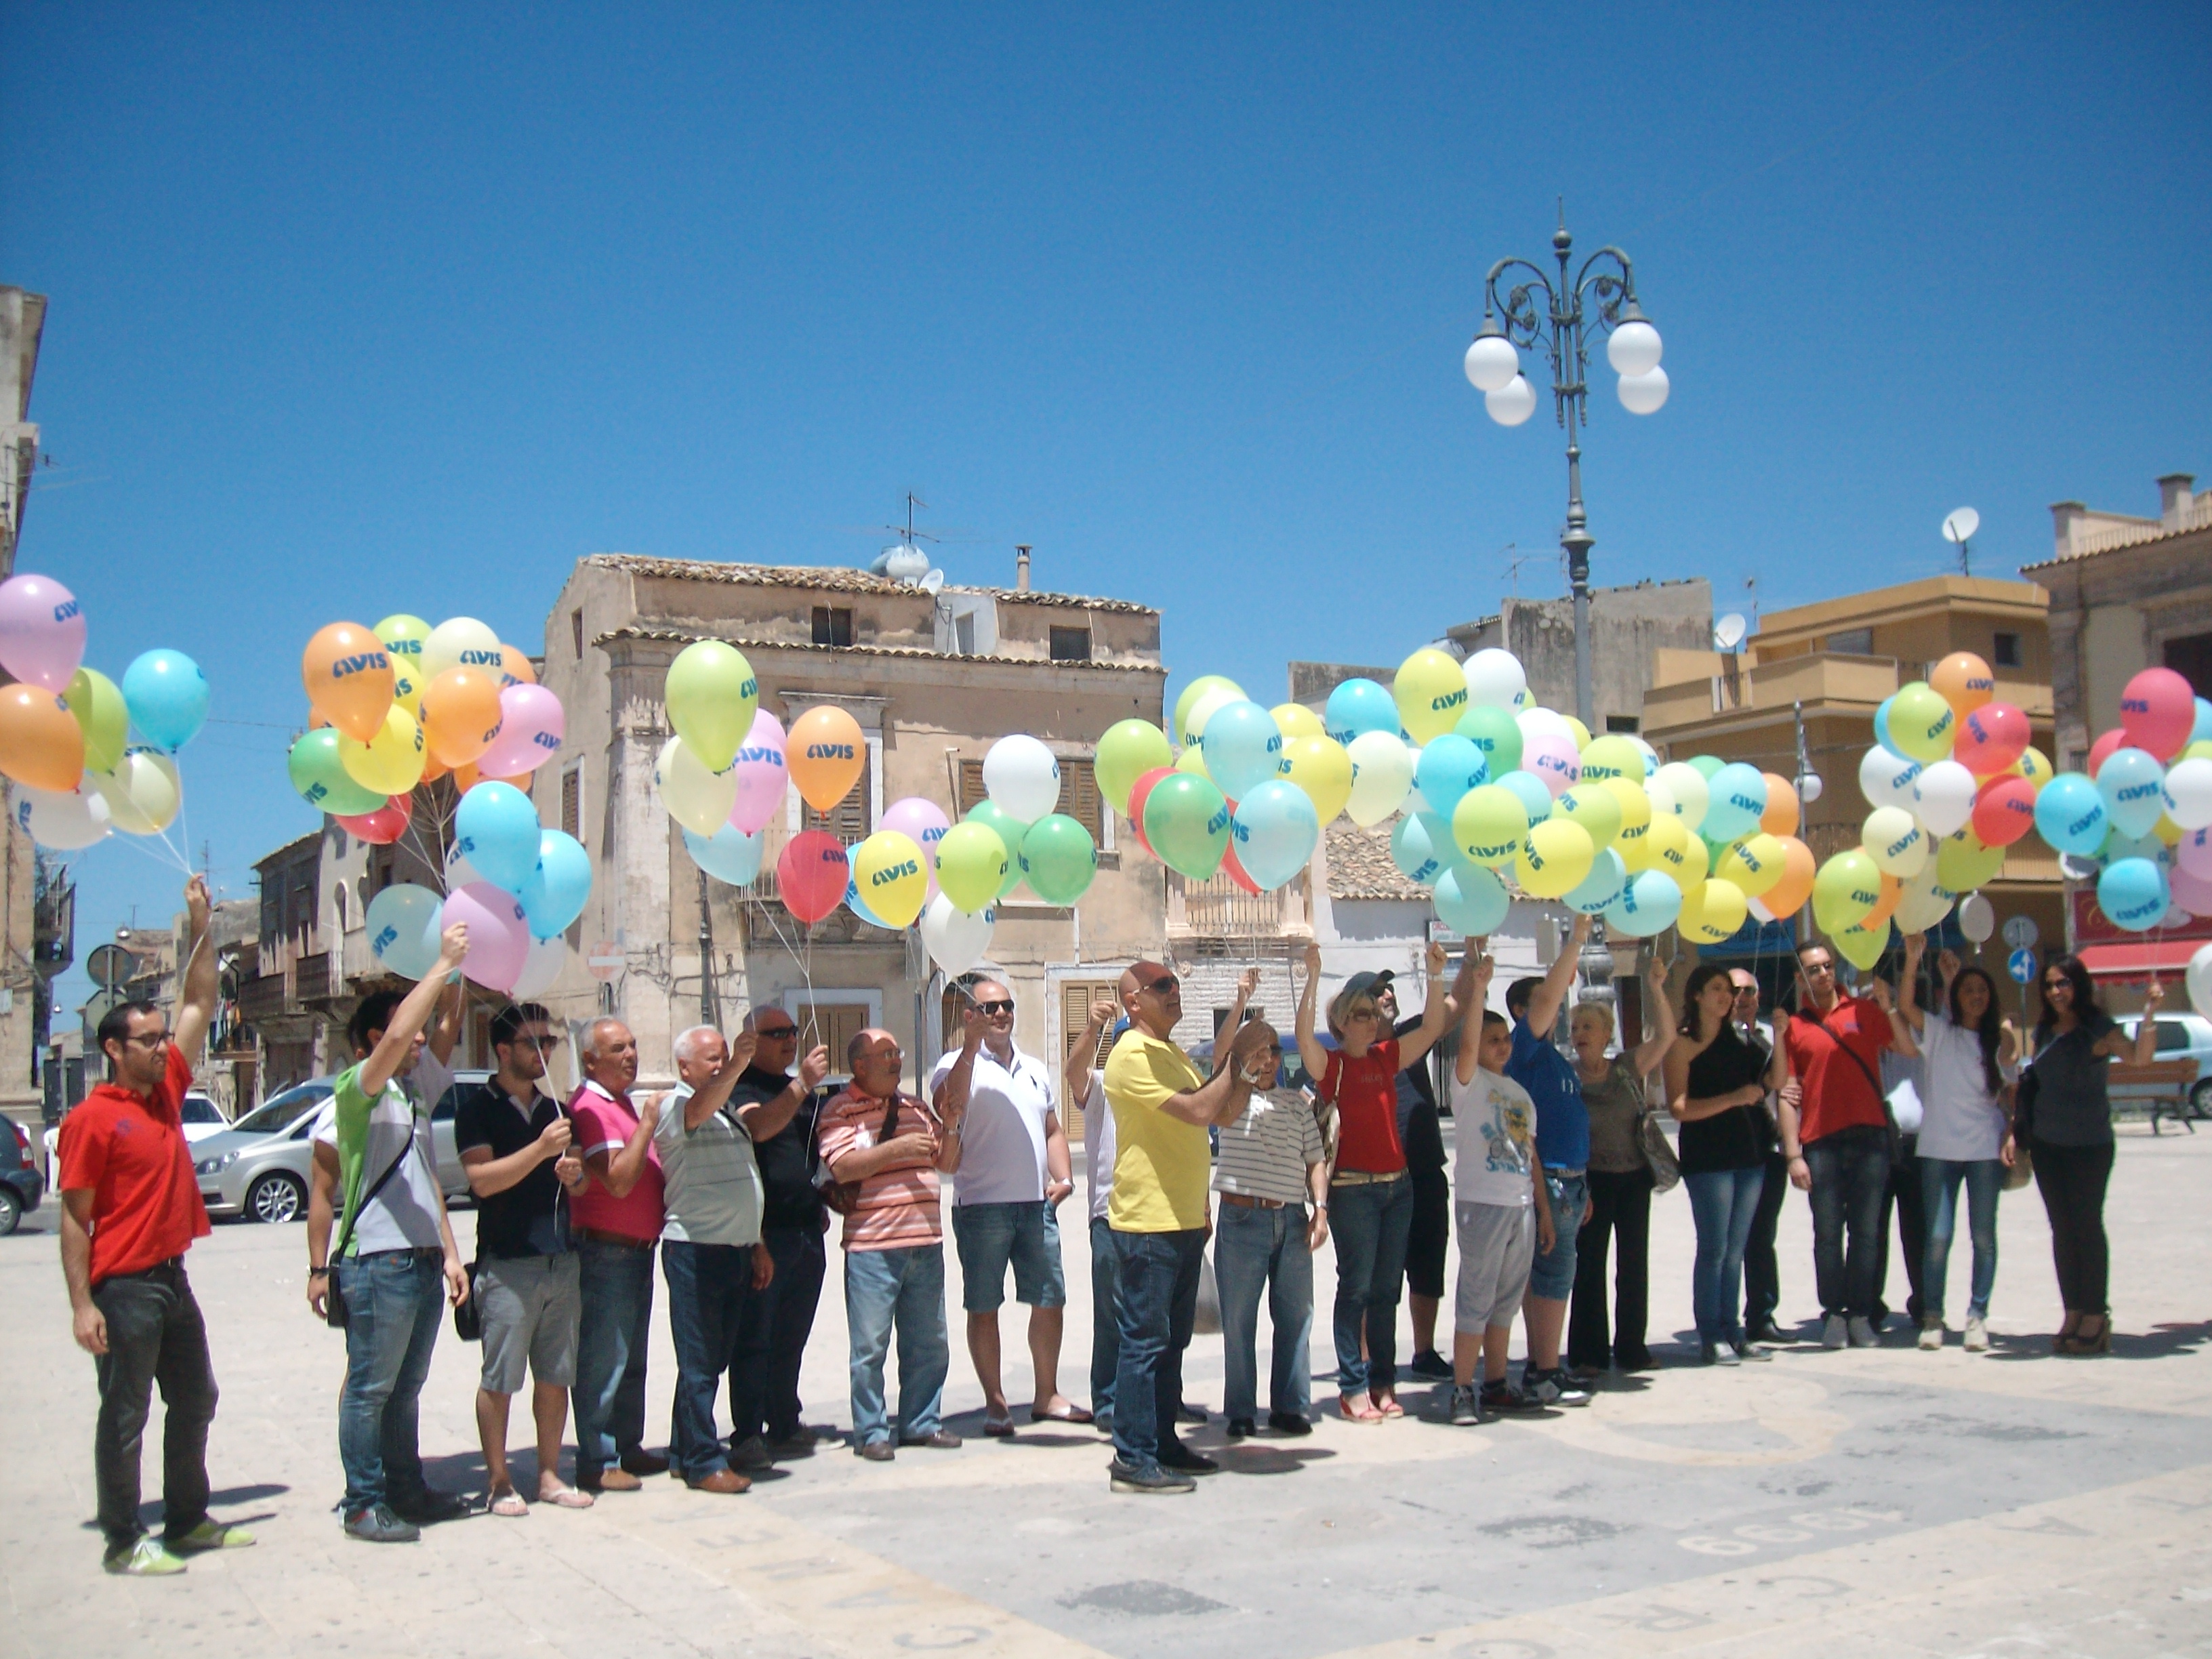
<point x="1360" y="865"/>
<point x="838" y="579"/>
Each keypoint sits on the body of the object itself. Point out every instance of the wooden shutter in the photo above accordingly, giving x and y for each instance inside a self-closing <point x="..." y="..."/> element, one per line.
<point x="833" y="1025"/>
<point x="1076" y="997"/>
<point x="972" y="794"/>
<point x="848" y="820"/>
<point x="1079" y="797"/>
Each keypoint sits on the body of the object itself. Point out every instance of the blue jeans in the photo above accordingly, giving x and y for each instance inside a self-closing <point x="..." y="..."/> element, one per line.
<point x="611" y="1339"/>
<point x="1105" y="1330"/>
<point x="394" y="1300"/>
<point x="1155" y="1305"/>
<point x="708" y="1288"/>
<point x="1370" y="1221"/>
<point x="1254" y="1250"/>
<point x="1939" y="1185"/>
<point x="1850" y="1175"/>
<point x="1721" y="1205"/>
<point x="905" y="1289"/>
<point x="772" y="1336"/>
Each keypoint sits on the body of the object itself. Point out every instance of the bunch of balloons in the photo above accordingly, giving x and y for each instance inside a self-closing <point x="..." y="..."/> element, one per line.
<point x="65" y="729"/>
<point x="396" y="707"/>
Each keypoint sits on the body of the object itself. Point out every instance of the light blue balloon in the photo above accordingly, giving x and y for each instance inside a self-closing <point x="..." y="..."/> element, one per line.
<point x="1242" y="748"/>
<point x="1535" y="798"/>
<point x="403" y="929"/>
<point x="2132" y="785"/>
<point x="2133" y="894"/>
<point x="1607" y="879"/>
<point x="1471" y="901"/>
<point x="555" y="894"/>
<point x="1277" y="830"/>
<point x="854" y="902"/>
<point x="729" y="854"/>
<point x="1738" y="801"/>
<point x="1881" y="726"/>
<point x="496" y="830"/>
<point x="1358" y="707"/>
<point x="1422" y="848"/>
<point x="1648" y="904"/>
<point x="2203" y="729"/>
<point x="2118" y="846"/>
<point x="1450" y="766"/>
<point x="2070" y="815"/>
<point x="167" y="696"/>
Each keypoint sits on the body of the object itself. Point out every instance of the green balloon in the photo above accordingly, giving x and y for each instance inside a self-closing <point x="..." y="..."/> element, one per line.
<point x="1186" y="823"/>
<point x="1498" y="735"/>
<point x="97" y="702"/>
<point x="1058" y="858"/>
<point x="971" y="865"/>
<point x="712" y="694"/>
<point x="1009" y="830"/>
<point x="1705" y="765"/>
<point x="323" y="782"/>
<point x="1128" y="750"/>
<point x="1197" y="689"/>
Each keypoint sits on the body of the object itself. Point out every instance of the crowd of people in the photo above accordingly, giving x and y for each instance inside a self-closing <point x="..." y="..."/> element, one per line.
<point x="730" y="1180"/>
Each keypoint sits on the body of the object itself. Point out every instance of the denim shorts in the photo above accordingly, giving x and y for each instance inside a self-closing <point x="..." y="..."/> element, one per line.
<point x="1551" y="1274"/>
<point x="989" y="1236"/>
<point x="531" y="1308"/>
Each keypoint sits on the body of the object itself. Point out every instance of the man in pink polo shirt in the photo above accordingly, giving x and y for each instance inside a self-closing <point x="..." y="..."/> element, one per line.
<point x="616" y="1220"/>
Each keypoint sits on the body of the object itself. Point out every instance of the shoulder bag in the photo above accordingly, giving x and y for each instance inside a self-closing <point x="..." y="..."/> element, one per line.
<point x="844" y="1196"/>
<point x="1658" y="1150"/>
<point x="334" y="1307"/>
<point x="1888" y="1118"/>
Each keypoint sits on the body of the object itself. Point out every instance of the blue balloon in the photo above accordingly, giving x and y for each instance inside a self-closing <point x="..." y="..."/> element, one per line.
<point x="729" y="854"/>
<point x="854" y="902"/>
<point x="1277" y="830"/>
<point x="1737" y="795"/>
<point x="1242" y="749"/>
<point x="1450" y="766"/>
<point x="2202" y="731"/>
<point x="2070" y="815"/>
<point x="1357" y="707"/>
<point x="1422" y="848"/>
<point x="1535" y="797"/>
<point x="1648" y="904"/>
<point x="403" y="929"/>
<point x="1607" y="879"/>
<point x="555" y="894"/>
<point x="2132" y="785"/>
<point x="1881" y="726"/>
<point x="1471" y="901"/>
<point x="496" y="830"/>
<point x="167" y="696"/>
<point x="2133" y="894"/>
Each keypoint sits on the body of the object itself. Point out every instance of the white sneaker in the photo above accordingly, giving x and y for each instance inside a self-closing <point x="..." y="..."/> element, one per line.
<point x="1977" y="1335"/>
<point x="1931" y="1337"/>
<point x="1862" y="1336"/>
<point x="1833" y="1335"/>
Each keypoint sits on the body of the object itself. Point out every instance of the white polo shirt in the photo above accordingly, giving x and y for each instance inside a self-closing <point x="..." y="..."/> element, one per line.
<point x="1002" y="1138"/>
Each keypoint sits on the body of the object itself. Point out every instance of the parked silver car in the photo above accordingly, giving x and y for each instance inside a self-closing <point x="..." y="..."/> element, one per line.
<point x="258" y="1167"/>
<point x="450" y="1177"/>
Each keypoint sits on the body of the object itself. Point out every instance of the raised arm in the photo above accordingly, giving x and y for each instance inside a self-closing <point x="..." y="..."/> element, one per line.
<point x="1247" y="982"/>
<point x="1908" y="984"/>
<point x="763" y="1118"/>
<point x="413" y="1013"/>
<point x="1660" y="1019"/>
<point x="2145" y="1048"/>
<point x="1545" y="1000"/>
<point x="708" y="1099"/>
<point x="1310" y="1053"/>
<point x="950" y="1094"/>
<point x="196" y="1005"/>
<point x="1075" y="1070"/>
<point x="445" y="1029"/>
<point x="1474" y="993"/>
<point x="1436" y="1011"/>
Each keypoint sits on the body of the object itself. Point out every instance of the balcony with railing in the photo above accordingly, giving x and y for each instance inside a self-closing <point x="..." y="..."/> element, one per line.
<point x="312" y="978"/>
<point x="1218" y="907"/>
<point x="264" y="998"/>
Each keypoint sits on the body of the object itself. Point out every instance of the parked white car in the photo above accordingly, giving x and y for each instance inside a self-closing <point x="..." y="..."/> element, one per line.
<point x="202" y="1116"/>
<point x="2185" y="1036"/>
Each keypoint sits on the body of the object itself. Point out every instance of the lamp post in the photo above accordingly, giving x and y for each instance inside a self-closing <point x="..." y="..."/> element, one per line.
<point x="1599" y="298"/>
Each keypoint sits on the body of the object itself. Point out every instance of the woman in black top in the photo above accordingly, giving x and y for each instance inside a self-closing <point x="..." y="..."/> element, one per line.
<point x="1717" y="1086"/>
<point x="2067" y="1119"/>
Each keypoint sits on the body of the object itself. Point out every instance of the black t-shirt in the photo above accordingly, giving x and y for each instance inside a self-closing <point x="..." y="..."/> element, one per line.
<point x="530" y="1217"/>
<point x="1420" y="1131"/>
<point x="786" y="1158"/>
<point x="1734" y="1139"/>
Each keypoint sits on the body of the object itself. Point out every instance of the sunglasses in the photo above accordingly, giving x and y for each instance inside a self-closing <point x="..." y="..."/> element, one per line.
<point x="1813" y="970"/>
<point x="1163" y="986"/>
<point x="995" y="1007"/>
<point x="540" y="1043"/>
<point x="775" y="1033"/>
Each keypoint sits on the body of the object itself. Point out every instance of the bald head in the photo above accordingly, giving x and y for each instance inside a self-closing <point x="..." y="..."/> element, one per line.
<point x="611" y="1055"/>
<point x="874" y="1058"/>
<point x="1151" y="997"/>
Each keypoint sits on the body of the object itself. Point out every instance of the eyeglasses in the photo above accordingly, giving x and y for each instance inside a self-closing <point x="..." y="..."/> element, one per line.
<point x="883" y="1057"/>
<point x="540" y="1043"/>
<point x="2060" y="984"/>
<point x="1163" y="986"/>
<point x="1006" y="1007"/>
<point x="775" y="1033"/>
<point x="149" y="1041"/>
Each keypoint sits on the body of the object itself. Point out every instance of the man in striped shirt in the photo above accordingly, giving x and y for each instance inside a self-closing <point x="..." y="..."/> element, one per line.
<point x="895" y="1149"/>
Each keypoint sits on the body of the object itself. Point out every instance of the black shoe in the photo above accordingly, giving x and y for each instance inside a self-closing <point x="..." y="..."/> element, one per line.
<point x="644" y="1462"/>
<point x="1288" y="1423"/>
<point x="799" y="1442"/>
<point x="432" y="1507"/>
<point x="1240" y="1426"/>
<point x="1770" y="1333"/>
<point x="1503" y="1396"/>
<point x="875" y="1451"/>
<point x="938" y="1440"/>
<point x="1187" y="1413"/>
<point x="1430" y="1366"/>
<point x="751" y="1454"/>
<point x="377" y="1524"/>
<point x="1155" y="1480"/>
<point x="1184" y="1460"/>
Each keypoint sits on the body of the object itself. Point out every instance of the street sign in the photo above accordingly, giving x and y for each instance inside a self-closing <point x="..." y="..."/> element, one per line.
<point x="2020" y="964"/>
<point x="111" y="965"/>
<point x="2020" y="933"/>
<point x="604" y="959"/>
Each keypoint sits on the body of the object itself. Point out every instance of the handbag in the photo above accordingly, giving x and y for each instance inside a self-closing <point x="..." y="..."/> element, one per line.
<point x="844" y="1196"/>
<point x="1658" y="1150"/>
<point x="468" y="1312"/>
<point x="334" y="1307"/>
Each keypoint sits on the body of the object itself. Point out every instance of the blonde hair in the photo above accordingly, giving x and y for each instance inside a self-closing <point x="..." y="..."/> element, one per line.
<point x="1595" y="1005"/>
<point x="1345" y="1004"/>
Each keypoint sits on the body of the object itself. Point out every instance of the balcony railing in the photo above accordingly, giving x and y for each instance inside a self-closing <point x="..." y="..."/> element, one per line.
<point x="262" y="999"/>
<point x="311" y="977"/>
<point x="1218" y="907"/>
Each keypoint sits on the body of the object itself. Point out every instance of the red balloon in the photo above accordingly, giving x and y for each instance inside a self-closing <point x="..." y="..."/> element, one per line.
<point x="2158" y="710"/>
<point x="382" y="827"/>
<point x="1139" y="793"/>
<point x="2004" y="811"/>
<point x="2103" y="749"/>
<point x="1234" y="871"/>
<point x="812" y="872"/>
<point x="1990" y="739"/>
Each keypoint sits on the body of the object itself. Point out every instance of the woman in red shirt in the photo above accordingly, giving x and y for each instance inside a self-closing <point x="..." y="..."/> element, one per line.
<point x="1371" y="1193"/>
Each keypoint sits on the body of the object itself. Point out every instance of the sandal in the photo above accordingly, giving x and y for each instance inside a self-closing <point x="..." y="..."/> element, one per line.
<point x="1075" y="1413"/>
<point x="999" y="1428"/>
<point x="509" y="1502"/>
<point x="1386" y="1405"/>
<point x="2079" y="1347"/>
<point x="1357" y="1409"/>
<point x="567" y="1498"/>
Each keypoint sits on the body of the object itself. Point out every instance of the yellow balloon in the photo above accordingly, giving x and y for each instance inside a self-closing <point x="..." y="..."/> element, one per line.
<point x="1666" y="847"/>
<point x="695" y="797"/>
<point x="1318" y="764"/>
<point x="1595" y="808"/>
<point x="1491" y="825"/>
<point x="1634" y="840"/>
<point x="1753" y="865"/>
<point x="891" y="876"/>
<point x="392" y="762"/>
<point x="1712" y="911"/>
<point x="1963" y="862"/>
<point x="407" y="685"/>
<point x="402" y="635"/>
<point x="1577" y="730"/>
<point x="1193" y="760"/>
<point x="1862" y="946"/>
<point x="1382" y="773"/>
<point x="1295" y="720"/>
<point x="1895" y="841"/>
<point x="1431" y="689"/>
<point x="143" y="792"/>
<point x="2167" y="830"/>
<point x="1555" y="858"/>
<point x="2033" y="765"/>
<point x="1219" y="697"/>
<point x="1611" y="757"/>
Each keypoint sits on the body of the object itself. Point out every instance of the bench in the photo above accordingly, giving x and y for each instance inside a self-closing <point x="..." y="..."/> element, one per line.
<point x="2162" y="1088"/>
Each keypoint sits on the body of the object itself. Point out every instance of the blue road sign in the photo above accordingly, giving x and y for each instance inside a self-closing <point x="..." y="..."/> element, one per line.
<point x="2020" y="964"/>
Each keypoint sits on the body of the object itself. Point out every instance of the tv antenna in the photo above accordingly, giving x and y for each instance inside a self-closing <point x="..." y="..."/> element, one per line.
<point x="1513" y="566"/>
<point x="906" y="564"/>
<point x="1959" y="525"/>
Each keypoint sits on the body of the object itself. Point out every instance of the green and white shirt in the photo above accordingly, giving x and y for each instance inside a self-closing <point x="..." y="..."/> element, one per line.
<point x="368" y="1136"/>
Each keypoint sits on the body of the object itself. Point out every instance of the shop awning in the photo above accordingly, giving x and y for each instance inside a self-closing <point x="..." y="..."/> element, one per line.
<point x="2140" y="960"/>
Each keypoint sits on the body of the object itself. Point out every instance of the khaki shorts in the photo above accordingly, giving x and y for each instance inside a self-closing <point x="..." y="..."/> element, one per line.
<point x="530" y="1305"/>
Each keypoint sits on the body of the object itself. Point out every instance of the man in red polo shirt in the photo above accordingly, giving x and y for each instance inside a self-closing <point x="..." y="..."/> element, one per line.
<point x="131" y="1208"/>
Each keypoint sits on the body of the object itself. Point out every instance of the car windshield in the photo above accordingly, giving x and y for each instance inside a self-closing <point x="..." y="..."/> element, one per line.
<point x="279" y="1110"/>
<point x="198" y="1108"/>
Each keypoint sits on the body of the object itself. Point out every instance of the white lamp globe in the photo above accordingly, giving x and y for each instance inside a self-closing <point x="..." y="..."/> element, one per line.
<point x="1641" y="394"/>
<point x="1512" y="403"/>
<point x="1809" y="788"/>
<point x="1492" y="362"/>
<point x="1634" y="348"/>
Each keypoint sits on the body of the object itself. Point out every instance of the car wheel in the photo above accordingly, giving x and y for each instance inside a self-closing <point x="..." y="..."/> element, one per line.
<point x="276" y="1197"/>
<point x="11" y="1210"/>
<point x="2200" y="1099"/>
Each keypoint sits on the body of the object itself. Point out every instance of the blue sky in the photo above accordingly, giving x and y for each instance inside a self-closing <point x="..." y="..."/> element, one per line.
<point x="361" y="309"/>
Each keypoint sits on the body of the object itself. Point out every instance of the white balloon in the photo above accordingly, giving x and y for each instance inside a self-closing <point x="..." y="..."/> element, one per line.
<point x="1543" y="723"/>
<point x="1381" y="777"/>
<point x="2189" y="793"/>
<point x="956" y="942"/>
<point x="540" y="969"/>
<point x="1642" y="394"/>
<point x="1492" y="362"/>
<point x="64" y="823"/>
<point x="144" y="792"/>
<point x="695" y="797"/>
<point x="1651" y="756"/>
<point x="1495" y="679"/>
<point x="1976" y="918"/>
<point x="1923" y="902"/>
<point x="1897" y="846"/>
<point x="1022" y="778"/>
<point x="1943" y="797"/>
<point x="1886" y="779"/>
<point x="2199" y="981"/>
<point x="459" y="872"/>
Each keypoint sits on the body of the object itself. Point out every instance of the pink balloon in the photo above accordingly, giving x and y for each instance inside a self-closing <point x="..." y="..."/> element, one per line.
<point x="499" y="933"/>
<point x="2193" y="892"/>
<point x="924" y="823"/>
<point x="1552" y="758"/>
<point x="42" y="632"/>
<point x="2194" y="854"/>
<point x="1992" y="738"/>
<point x="2106" y="745"/>
<point x="762" y="778"/>
<point x="2158" y="710"/>
<point x="530" y="726"/>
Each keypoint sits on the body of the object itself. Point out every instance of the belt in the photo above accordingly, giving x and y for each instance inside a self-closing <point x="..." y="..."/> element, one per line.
<point x="1363" y="1177"/>
<point x="619" y="1241"/>
<point x="1566" y="1175"/>
<point x="417" y="1251"/>
<point x="1246" y="1201"/>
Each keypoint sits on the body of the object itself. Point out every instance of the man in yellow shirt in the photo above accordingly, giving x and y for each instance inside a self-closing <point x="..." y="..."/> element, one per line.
<point x="1162" y="1105"/>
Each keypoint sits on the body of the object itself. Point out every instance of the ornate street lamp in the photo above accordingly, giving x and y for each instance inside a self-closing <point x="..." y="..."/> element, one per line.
<point x="1599" y="298"/>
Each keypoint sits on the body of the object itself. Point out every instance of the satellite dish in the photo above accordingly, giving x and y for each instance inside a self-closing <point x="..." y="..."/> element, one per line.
<point x="1728" y="632"/>
<point x="934" y="581"/>
<point x="1961" y="524"/>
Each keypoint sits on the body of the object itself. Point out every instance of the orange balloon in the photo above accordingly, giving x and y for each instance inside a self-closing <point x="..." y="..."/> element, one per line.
<point x="349" y="677"/>
<point x="460" y="714"/>
<point x="466" y="777"/>
<point x="1963" y="681"/>
<point x="41" y="744"/>
<point x="432" y="767"/>
<point x="1782" y="814"/>
<point x="515" y="669"/>
<point x="824" y="754"/>
<point x="1788" y="896"/>
<point x="1892" y="889"/>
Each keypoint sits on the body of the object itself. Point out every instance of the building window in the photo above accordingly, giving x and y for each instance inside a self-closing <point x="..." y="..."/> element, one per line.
<point x="2190" y="657"/>
<point x="1629" y="723"/>
<point x="833" y="625"/>
<point x="2004" y="651"/>
<point x="1079" y="794"/>
<point x="1852" y="642"/>
<point x="848" y="820"/>
<point x="963" y="633"/>
<point x="576" y="632"/>
<point x="572" y="802"/>
<point x="1071" y="645"/>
